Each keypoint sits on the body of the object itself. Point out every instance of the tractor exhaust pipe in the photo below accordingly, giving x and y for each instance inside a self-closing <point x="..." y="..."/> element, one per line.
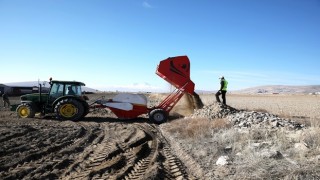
<point x="40" y="91"/>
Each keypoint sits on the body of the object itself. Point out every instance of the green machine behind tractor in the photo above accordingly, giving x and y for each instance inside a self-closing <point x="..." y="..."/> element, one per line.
<point x="64" y="100"/>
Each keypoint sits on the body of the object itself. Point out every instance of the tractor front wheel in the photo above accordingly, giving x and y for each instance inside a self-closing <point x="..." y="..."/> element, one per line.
<point x="158" y="116"/>
<point x="69" y="109"/>
<point x="25" y="110"/>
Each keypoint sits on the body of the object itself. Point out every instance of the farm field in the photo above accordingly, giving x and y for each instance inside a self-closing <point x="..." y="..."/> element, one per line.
<point x="255" y="137"/>
<point x="291" y="106"/>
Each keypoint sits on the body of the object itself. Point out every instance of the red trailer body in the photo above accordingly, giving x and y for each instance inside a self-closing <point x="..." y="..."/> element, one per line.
<point x="176" y="71"/>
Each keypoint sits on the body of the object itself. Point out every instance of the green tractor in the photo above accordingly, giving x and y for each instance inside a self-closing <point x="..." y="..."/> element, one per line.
<point x="64" y="100"/>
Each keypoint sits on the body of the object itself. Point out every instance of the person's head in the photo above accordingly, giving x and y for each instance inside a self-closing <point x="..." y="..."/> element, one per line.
<point x="221" y="77"/>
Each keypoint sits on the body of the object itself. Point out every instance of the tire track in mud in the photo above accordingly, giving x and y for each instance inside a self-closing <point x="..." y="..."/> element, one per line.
<point x="43" y="152"/>
<point x="86" y="150"/>
<point x="6" y="134"/>
<point x="160" y="160"/>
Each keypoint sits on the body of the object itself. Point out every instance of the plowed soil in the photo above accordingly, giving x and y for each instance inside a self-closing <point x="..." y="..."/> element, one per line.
<point x="94" y="148"/>
<point x="101" y="146"/>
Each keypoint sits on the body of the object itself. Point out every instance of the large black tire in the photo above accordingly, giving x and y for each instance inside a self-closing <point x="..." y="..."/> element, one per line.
<point x="86" y="109"/>
<point x="158" y="116"/>
<point x="69" y="109"/>
<point x="25" y="110"/>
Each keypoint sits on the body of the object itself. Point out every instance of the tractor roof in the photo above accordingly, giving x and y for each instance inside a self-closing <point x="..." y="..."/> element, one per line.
<point x="69" y="82"/>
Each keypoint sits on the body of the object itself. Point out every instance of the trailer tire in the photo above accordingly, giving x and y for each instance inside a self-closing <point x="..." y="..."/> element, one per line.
<point x="69" y="109"/>
<point x="25" y="110"/>
<point x="158" y="116"/>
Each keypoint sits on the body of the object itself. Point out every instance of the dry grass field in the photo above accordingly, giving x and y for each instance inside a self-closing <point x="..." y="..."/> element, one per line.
<point x="185" y="147"/>
<point x="253" y="153"/>
<point x="281" y="104"/>
<point x="298" y="107"/>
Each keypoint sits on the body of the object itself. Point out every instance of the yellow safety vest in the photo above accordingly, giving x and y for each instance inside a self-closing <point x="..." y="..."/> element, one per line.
<point x="225" y="86"/>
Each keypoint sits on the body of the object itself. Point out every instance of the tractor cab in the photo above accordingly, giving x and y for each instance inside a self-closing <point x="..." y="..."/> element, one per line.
<point x="64" y="88"/>
<point x="61" y="91"/>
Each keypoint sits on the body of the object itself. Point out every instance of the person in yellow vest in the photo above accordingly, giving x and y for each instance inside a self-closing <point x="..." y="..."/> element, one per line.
<point x="222" y="91"/>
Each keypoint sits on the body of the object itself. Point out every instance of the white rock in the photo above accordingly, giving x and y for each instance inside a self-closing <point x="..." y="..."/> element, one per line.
<point x="271" y="154"/>
<point x="222" y="161"/>
<point x="255" y="145"/>
<point x="301" y="147"/>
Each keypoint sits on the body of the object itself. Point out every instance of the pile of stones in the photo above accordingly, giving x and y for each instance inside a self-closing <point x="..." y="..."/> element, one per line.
<point x="244" y="119"/>
<point x="213" y="111"/>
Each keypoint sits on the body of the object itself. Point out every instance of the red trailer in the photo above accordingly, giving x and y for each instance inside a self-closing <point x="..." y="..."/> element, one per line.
<point x="176" y="71"/>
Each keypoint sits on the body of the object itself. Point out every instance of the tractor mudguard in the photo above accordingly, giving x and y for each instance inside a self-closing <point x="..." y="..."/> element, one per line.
<point x="66" y="97"/>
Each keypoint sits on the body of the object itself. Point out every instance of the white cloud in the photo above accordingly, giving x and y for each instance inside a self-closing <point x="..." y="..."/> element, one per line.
<point x="146" y="4"/>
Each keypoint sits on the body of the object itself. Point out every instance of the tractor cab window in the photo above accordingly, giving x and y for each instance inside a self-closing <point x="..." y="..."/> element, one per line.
<point x="73" y="90"/>
<point x="56" y="90"/>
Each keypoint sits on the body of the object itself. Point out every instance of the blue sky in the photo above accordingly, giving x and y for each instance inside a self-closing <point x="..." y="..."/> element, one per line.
<point x="117" y="44"/>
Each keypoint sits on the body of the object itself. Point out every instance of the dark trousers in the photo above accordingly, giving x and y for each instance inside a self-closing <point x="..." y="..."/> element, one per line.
<point x="223" y="93"/>
<point x="6" y="101"/>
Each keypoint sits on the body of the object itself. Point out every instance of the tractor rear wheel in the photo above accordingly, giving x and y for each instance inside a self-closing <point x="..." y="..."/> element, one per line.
<point x="25" y="110"/>
<point x="158" y="116"/>
<point x="86" y="109"/>
<point x="69" y="109"/>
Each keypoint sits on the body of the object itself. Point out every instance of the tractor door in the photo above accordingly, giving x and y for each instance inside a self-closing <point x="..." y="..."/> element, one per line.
<point x="56" y="91"/>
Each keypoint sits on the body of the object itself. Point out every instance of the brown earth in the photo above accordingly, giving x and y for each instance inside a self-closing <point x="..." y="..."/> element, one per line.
<point x="96" y="147"/>
<point x="100" y="146"/>
<point x="104" y="147"/>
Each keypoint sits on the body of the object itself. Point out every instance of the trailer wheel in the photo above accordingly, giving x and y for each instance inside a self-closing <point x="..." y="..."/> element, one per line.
<point x="25" y="110"/>
<point x="158" y="116"/>
<point x="69" y="109"/>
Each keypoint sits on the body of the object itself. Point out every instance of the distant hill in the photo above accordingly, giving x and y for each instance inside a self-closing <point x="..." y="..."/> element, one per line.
<point x="269" y="89"/>
<point x="204" y="92"/>
<point x="26" y="84"/>
<point x="35" y="83"/>
<point x="281" y="89"/>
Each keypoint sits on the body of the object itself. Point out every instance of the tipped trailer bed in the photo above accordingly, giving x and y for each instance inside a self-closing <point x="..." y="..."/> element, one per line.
<point x="176" y="71"/>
